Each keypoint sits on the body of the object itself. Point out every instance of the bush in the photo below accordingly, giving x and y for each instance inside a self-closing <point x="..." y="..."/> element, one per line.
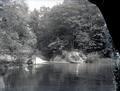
<point x="116" y="72"/>
<point x="92" y="57"/>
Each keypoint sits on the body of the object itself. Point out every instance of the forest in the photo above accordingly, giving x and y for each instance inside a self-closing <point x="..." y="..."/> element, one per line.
<point x="49" y="32"/>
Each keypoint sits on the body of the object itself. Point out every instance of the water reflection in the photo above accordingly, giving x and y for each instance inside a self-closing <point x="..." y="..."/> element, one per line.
<point x="58" y="77"/>
<point x="2" y="84"/>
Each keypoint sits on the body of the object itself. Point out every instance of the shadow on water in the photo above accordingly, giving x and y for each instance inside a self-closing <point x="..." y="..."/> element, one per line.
<point x="58" y="77"/>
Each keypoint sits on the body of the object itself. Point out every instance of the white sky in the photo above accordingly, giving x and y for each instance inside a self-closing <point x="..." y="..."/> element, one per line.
<point x="32" y="4"/>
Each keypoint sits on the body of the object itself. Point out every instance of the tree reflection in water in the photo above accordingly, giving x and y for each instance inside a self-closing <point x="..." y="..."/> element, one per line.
<point x="59" y="77"/>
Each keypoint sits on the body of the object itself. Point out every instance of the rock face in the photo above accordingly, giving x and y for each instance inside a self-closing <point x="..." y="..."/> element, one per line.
<point x="76" y="57"/>
<point x="7" y="58"/>
<point x="70" y="56"/>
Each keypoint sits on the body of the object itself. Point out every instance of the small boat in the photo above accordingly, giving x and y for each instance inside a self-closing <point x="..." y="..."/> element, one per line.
<point x="38" y="60"/>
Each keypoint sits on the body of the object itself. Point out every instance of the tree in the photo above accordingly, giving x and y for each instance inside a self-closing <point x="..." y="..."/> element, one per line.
<point x="16" y="35"/>
<point x="80" y="24"/>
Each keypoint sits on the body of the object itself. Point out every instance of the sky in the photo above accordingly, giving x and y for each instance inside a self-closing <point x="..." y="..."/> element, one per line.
<point x="32" y="4"/>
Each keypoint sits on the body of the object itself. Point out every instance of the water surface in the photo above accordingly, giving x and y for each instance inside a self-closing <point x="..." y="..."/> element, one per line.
<point x="59" y="77"/>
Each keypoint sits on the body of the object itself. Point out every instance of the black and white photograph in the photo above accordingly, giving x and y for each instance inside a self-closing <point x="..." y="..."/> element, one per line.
<point x="59" y="45"/>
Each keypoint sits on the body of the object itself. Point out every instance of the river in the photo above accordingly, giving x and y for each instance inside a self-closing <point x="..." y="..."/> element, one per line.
<point x="59" y="77"/>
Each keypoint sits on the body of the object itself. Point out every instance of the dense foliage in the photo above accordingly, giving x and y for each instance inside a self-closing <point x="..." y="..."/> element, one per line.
<point x="72" y="26"/>
<point x="16" y="38"/>
<point x="67" y="27"/>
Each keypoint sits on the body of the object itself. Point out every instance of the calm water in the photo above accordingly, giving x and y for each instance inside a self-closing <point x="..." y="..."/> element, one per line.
<point x="59" y="77"/>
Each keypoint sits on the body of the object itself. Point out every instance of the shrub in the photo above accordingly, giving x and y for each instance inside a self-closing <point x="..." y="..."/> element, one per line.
<point x="92" y="57"/>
